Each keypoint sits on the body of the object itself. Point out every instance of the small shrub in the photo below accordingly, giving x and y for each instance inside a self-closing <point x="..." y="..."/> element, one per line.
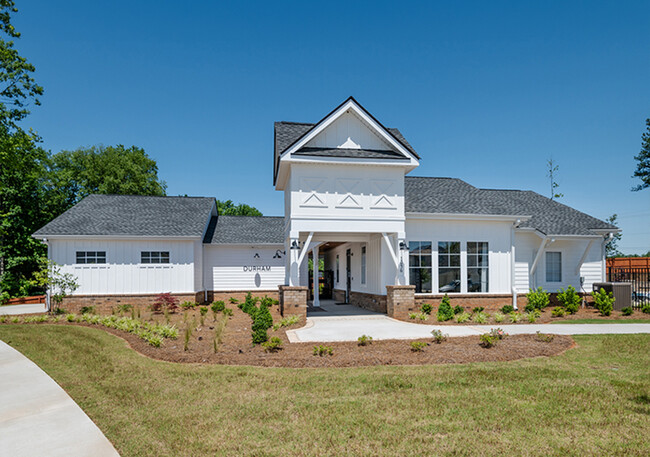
<point x="558" y="311"/>
<point x="233" y="300"/>
<point x="507" y="309"/>
<point x="487" y="340"/>
<point x="364" y="340"/>
<point x="163" y="302"/>
<point x="514" y="317"/>
<point x="604" y="301"/>
<point x="544" y="337"/>
<point x="570" y="299"/>
<point x="498" y="317"/>
<point x="4" y="297"/>
<point x="646" y="309"/>
<point x="3" y="319"/>
<point x="187" y="305"/>
<point x="539" y="298"/>
<point x="462" y="317"/>
<point x="438" y="336"/>
<point x="498" y="333"/>
<point x="426" y="308"/>
<point x="15" y="319"/>
<point x="458" y="309"/>
<point x="445" y="312"/>
<point x="418" y="346"/>
<point x="478" y="309"/>
<point x="530" y="317"/>
<point x="627" y="311"/>
<point x="227" y="312"/>
<point x="419" y="316"/>
<point x="154" y="340"/>
<point x="480" y="317"/>
<point x="529" y="308"/>
<point x="274" y="344"/>
<point x="187" y="335"/>
<point x="87" y="310"/>
<point x="259" y="336"/>
<point x="218" y="306"/>
<point x="323" y="350"/>
<point x="124" y="308"/>
<point x="287" y="321"/>
<point x="203" y="310"/>
<point x="59" y="311"/>
<point x="71" y="317"/>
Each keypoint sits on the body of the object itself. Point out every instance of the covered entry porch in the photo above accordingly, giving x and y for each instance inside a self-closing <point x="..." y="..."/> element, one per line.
<point x="353" y="268"/>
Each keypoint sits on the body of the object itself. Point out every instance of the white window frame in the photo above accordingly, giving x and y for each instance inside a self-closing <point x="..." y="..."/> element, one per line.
<point x="468" y="267"/>
<point x="155" y="257"/>
<point x="90" y="257"/>
<point x="548" y="264"/>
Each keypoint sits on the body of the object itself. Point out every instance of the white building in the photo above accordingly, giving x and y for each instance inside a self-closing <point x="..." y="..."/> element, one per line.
<point x="348" y="201"/>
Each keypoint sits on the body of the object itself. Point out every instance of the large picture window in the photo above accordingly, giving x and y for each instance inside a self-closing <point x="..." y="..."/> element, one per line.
<point x="553" y="267"/>
<point x="477" y="266"/>
<point x="449" y="266"/>
<point x="91" y="257"/>
<point x="154" y="257"/>
<point x="420" y="266"/>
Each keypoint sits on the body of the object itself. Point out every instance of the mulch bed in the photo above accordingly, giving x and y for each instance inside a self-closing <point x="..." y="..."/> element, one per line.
<point x="237" y="349"/>
<point x="583" y="313"/>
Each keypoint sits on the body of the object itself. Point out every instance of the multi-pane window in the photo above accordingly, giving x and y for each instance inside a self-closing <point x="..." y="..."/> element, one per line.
<point x="154" y="257"/>
<point x="91" y="256"/>
<point x="363" y="264"/>
<point x="477" y="266"/>
<point x="553" y="267"/>
<point x="449" y="266"/>
<point x="420" y="266"/>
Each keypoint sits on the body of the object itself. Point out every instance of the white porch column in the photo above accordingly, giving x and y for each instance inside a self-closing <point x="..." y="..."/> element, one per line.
<point x="403" y="256"/>
<point x="316" y="264"/>
<point x="294" y="266"/>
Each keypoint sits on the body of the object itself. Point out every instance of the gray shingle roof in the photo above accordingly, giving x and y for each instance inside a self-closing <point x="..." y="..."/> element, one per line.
<point x="454" y="196"/>
<point x="246" y="230"/>
<point x="129" y="215"/>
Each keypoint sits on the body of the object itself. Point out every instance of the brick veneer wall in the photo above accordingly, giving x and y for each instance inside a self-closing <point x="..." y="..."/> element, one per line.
<point x="240" y="295"/>
<point x="104" y="304"/>
<point x="469" y="301"/>
<point x="400" y="301"/>
<point x="372" y="302"/>
<point x="338" y="295"/>
<point x="293" y="300"/>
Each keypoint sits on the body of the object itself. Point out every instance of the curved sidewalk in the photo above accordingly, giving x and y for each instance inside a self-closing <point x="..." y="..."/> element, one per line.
<point x="38" y="418"/>
<point x="323" y="329"/>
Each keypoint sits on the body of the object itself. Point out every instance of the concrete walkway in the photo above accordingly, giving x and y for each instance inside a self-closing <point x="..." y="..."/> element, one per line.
<point x="38" y="418"/>
<point x="323" y="328"/>
<point x="22" y="309"/>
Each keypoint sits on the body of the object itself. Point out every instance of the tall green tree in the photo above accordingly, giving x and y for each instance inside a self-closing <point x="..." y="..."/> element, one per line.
<point x="643" y="166"/>
<point x="23" y="206"/>
<point x="228" y="208"/>
<point x="103" y="170"/>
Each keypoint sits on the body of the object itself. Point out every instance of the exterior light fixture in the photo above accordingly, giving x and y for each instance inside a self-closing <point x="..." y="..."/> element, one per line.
<point x="294" y="245"/>
<point x="279" y="254"/>
<point x="403" y="246"/>
<point x="256" y="256"/>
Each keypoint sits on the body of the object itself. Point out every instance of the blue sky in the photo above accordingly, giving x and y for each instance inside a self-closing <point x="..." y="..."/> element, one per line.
<point x="484" y="91"/>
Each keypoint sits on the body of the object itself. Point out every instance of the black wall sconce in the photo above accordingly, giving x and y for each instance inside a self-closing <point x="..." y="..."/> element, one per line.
<point x="279" y="254"/>
<point x="256" y="256"/>
<point x="294" y="245"/>
<point x="403" y="246"/>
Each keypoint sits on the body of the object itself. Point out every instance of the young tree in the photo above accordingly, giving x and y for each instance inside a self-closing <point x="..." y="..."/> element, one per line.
<point x="551" y="173"/>
<point x="228" y="208"/>
<point x="643" y="166"/>
<point x="52" y="279"/>
<point x="612" y="245"/>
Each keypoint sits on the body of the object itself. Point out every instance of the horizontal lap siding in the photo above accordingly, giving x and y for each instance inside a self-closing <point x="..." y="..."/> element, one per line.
<point x="224" y="268"/>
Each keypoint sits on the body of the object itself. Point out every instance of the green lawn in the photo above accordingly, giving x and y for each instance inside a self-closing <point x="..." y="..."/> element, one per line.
<point x="593" y="400"/>
<point x="603" y="321"/>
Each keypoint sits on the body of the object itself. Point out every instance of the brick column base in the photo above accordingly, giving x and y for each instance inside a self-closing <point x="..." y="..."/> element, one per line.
<point x="400" y="301"/>
<point x="293" y="300"/>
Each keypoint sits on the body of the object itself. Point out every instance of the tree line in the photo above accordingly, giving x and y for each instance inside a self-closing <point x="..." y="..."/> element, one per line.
<point x="37" y="185"/>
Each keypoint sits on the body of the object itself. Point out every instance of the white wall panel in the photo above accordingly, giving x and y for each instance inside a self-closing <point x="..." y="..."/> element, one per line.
<point x="123" y="273"/>
<point x="236" y="268"/>
<point x="349" y="131"/>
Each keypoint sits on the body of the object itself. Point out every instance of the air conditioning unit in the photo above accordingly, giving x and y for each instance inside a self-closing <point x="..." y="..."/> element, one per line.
<point x="622" y="292"/>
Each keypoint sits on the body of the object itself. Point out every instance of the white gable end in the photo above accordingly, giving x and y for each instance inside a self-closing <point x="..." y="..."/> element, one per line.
<point x="349" y="132"/>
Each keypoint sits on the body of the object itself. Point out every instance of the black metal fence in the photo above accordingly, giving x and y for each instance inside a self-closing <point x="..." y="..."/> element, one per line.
<point x="640" y="279"/>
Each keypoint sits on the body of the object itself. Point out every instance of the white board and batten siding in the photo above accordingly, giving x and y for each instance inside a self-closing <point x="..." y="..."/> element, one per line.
<point x="123" y="273"/>
<point x="235" y="267"/>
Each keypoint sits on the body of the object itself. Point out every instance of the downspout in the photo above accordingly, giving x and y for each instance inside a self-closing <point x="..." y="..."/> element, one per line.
<point x="47" y="290"/>
<point x="513" y="288"/>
